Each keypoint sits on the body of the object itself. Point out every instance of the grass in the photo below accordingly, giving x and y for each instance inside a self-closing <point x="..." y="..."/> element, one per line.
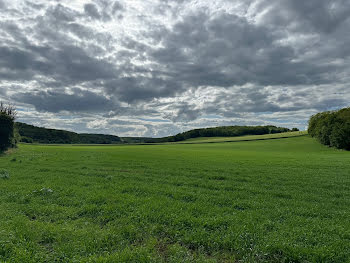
<point x="245" y="138"/>
<point x="284" y="200"/>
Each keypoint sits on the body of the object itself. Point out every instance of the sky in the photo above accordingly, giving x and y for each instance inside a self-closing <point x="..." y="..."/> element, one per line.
<point x="158" y="67"/>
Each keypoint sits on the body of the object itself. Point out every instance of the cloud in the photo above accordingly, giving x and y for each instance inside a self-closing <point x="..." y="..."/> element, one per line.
<point x="315" y="16"/>
<point x="91" y="10"/>
<point x="185" y="63"/>
<point x="75" y="101"/>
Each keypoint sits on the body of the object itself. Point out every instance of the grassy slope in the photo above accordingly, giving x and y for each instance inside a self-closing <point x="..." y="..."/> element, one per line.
<point x="244" y="138"/>
<point x="200" y="139"/>
<point x="256" y="201"/>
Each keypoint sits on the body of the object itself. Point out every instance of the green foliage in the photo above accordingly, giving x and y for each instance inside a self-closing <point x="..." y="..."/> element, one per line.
<point x="7" y="138"/>
<point x="282" y="200"/>
<point x="332" y="128"/>
<point x="26" y="139"/>
<point x="134" y="139"/>
<point x="4" y="174"/>
<point x="340" y="136"/>
<point x="30" y="134"/>
<point x="243" y="138"/>
<point x="224" y="131"/>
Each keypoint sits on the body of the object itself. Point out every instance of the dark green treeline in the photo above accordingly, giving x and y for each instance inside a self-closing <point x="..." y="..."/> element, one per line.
<point x="8" y="135"/>
<point x="332" y="128"/>
<point x="224" y="131"/>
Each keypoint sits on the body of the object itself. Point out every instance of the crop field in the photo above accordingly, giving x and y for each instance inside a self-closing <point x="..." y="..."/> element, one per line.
<point x="244" y="138"/>
<point x="282" y="200"/>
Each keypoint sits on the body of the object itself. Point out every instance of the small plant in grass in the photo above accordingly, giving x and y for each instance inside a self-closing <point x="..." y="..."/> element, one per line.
<point x="46" y="190"/>
<point x="43" y="191"/>
<point x="4" y="174"/>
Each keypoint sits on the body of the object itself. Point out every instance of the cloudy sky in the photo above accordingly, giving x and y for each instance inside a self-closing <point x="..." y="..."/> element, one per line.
<point x="159" y="67"/>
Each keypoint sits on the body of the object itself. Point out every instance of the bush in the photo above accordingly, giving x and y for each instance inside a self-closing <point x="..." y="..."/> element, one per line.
<point x="4" y="174"/>
<point x="8" y="134"/>
<point x="332" y="128"/>
<point x="6" y="131"/>
<point x="26" y="140"/>
<point x="340" y="136"/>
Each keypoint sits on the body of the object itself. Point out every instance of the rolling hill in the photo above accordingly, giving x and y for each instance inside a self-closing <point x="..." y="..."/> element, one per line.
<point x="30" y="134"/>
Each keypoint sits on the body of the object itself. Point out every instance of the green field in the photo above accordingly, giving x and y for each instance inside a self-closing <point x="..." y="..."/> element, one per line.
<point x="244" y="138"/>
<point x="282" y="200"/>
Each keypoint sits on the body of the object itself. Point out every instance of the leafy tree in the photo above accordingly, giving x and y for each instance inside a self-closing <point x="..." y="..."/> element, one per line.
<point x="340" y="136"/>
<point x="8" y="134"/>
<point x="332" y="128"/>
<point x="26" y="140"/>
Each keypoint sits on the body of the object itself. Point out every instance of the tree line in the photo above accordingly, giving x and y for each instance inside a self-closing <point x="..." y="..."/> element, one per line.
<point x="223" y="131"/>
<point x="11" y="133"/>
<point x="331" y="128"/>
<point x="30" y="134"/>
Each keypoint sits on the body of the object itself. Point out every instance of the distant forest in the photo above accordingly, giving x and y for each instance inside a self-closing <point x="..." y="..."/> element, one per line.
<point x="224" y="131"/>
<point x="33" y="134"/>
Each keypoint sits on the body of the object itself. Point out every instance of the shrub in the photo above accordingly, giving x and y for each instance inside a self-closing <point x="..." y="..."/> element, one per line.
<point x="26" y="140"/>
<point x="6" y="131"/>
<point x="340" y="136"/>
<point x="8" y="134"/>
<point x="4" y="174"/>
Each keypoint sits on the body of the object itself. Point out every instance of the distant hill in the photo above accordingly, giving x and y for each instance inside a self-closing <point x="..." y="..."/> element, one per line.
<point x="30" y="134"/>
<point x="33" y="134"/>
<point x="223" y="131"/>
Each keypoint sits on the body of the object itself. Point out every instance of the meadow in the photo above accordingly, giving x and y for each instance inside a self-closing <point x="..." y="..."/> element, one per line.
<point x="282" y="200"/>
<point x="244" y="138"/>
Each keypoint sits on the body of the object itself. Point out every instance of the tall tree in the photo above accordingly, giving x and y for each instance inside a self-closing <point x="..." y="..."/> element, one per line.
<point x="8" y="115"/>
<point x="332" y="128"/>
